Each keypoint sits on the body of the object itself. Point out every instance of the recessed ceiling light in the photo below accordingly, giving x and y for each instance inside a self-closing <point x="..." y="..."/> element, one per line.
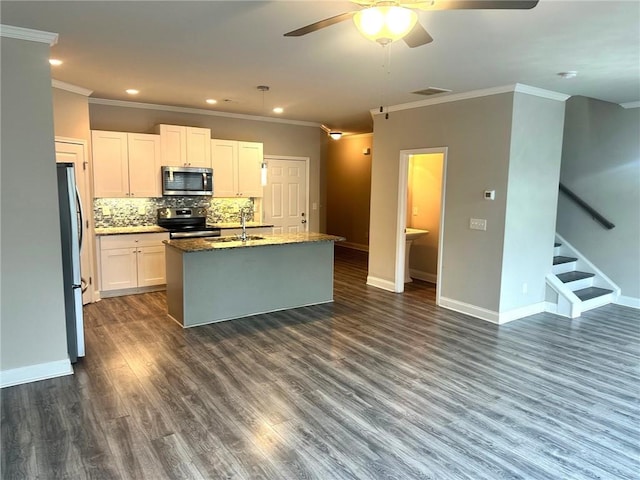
<point x="132" y="91"/>
<point x="569" y="74"/>
<point x="55" y="62"/>
<point x="211" y="101"/>
<point x="278" y="110"/>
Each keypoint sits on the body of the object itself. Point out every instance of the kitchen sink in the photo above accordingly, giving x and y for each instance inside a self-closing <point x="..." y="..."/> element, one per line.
<point x="233" y="239"/>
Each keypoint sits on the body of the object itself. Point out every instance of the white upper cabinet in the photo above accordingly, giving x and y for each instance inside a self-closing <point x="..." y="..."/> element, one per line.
<point x="224" y="161"/>
<point x="144" y="165"/>
<point x="125" y="164"/>
<point x="250" y="158"/>
<point x="236" y="168"/>
<point x="185" y="146"/>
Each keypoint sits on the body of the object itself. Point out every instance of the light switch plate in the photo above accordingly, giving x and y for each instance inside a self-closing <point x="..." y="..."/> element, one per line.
<point x="478" y="224"/>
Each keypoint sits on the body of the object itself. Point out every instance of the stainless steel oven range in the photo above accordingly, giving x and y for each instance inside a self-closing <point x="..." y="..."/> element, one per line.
<point x="187" y="222"/>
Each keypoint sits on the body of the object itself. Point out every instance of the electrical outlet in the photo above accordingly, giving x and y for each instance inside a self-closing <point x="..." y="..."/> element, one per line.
<point x="478" y="224"/>
<point x="106" y="211"/>
<point x="142" y="210"/>
<point x="415" y="211"/>
<point x="314" y="206"/>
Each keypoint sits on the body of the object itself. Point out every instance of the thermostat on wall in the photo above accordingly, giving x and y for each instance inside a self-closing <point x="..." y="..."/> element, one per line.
<point x="489" y="194"/>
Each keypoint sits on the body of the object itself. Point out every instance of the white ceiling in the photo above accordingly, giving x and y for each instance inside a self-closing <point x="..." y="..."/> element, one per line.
<point x="180" y="52"/>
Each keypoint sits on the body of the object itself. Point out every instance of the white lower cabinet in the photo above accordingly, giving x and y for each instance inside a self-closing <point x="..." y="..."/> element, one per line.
<point x="131" y="261"/>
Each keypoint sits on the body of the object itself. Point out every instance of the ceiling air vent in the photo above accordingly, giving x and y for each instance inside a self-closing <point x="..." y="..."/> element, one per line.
<point x="431" y="91"/>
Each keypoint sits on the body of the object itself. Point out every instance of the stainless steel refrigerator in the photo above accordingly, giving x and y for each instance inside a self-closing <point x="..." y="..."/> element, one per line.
<point x="71" y="236"/>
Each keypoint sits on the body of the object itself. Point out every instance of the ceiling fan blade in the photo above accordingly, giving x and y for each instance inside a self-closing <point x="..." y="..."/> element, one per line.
<point x="327" y="22"/>
<point x="475" y="4"/>
<point x="417" y="36"/>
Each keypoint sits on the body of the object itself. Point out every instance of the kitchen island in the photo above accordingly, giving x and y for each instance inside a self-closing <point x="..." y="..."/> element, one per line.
<point x="222" y="278"/>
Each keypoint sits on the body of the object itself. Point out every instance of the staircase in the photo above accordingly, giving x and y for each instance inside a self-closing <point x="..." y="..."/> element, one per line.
<point x="577" y="283"/>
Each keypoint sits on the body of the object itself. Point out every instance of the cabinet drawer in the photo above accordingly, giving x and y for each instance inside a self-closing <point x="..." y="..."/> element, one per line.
<point x="132" y="240"/>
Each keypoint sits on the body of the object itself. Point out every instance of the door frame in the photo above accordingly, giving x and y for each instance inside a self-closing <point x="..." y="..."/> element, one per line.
<point x="405" y="156"/>
<point x="87" y="202"/>
<point x="306" y="160"/>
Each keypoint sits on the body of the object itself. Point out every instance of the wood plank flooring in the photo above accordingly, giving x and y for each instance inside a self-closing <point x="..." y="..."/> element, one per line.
<point x="373" y="386"/>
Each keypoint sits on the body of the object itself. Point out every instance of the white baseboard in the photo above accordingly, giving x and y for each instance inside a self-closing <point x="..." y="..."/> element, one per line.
<point x="522" y="312"/>
<point x="353" y="246"/>
<point x="627" y="301"/>
<point x="468" y="309"/>
<point x="33" y="373"/>
<point x="131" y="291"/>
<point x="381" y="283"/>
<point x="498" y="318"/>
<point x="424" y="276"/>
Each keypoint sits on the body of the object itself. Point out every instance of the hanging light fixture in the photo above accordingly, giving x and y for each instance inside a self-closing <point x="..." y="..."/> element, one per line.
<point x="385" y="23"/>
<point x="263" y="165"/>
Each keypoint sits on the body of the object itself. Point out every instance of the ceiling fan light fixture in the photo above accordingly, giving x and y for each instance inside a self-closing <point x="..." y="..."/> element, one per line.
<point x="385" y="24"/>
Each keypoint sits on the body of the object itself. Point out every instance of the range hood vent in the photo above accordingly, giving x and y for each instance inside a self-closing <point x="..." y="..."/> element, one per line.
<point x="431" y="91"/>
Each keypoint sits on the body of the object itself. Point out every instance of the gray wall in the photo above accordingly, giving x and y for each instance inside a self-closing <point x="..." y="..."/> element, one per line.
<point x="32" y="328"/>
<point x="601" y="164"/>
<point x="532" y="195"/>
<point x="478" y="134"/>
<point x="278" y="138"/>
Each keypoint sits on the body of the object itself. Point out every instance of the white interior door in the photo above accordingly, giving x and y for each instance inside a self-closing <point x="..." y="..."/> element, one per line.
<point x="285" y="195"/>
<point x="76" y="153"/>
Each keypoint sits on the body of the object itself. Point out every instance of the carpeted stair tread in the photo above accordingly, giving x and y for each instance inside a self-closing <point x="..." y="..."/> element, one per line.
<point x="573" y="276"/>
<point x="591" y="292"/>
<point x="560" y="260"/>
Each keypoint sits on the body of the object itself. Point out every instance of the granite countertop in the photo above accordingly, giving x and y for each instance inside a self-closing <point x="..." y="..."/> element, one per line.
<point x="225" y="225"/>
<point x="201" y="244"/>
<point x="126" y="230"/>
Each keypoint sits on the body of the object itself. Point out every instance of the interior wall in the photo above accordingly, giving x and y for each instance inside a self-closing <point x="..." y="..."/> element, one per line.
<point x="348" y="173"/>
<point x="601" y="164"/>
<point x="532" y="195"/>
<point x="279" y="139"/>
<point x="32" y="328"/>
<point x="424" y="204"/>
<point x="477" y="133"/>
<point x="71" y="115"/>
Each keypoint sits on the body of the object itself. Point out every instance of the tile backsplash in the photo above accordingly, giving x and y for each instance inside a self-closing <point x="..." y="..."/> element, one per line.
<point x="125" y="212"/>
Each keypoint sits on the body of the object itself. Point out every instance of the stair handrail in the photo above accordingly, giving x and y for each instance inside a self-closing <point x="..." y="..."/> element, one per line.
<point x="586" y="207"/>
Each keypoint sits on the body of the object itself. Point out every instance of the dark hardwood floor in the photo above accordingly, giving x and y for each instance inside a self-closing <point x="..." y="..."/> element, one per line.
<point x="375" y="385"/>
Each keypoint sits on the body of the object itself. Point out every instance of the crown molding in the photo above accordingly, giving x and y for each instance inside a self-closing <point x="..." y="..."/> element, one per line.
<point x="630" y="105"/>
<point x="486" y="92"/>
<point x="198" y="111"/>
<point x="20" y="33"/>
<point x="70" y="88"/>
<point x="541" y="92"/>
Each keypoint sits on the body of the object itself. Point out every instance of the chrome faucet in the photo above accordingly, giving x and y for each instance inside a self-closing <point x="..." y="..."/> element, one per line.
<point x="243" y="223"/>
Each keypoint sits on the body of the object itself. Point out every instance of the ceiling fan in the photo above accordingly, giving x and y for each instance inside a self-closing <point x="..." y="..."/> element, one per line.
<point x="395" y="20"/>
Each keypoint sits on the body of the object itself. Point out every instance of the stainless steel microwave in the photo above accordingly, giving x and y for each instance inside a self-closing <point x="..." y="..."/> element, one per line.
<point x="187" y="181"/>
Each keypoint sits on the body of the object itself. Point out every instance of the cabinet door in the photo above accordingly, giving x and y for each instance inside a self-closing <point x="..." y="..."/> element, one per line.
<point x="173" y="144"/>
<point x="151" y="266"/>
<point x="250" y="160"/>
<point x="118" y="269"/>
<point x="198" y="147"/>
<point x="144" y="165"/>
<point x="110" y="164"/>
<point x="224" y="161"/>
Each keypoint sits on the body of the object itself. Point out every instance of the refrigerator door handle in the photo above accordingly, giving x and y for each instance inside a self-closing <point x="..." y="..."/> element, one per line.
<point x="81" y="219"/>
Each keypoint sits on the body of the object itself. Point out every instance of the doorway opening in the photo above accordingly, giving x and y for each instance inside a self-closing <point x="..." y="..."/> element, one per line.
<point x="421" y="209"/>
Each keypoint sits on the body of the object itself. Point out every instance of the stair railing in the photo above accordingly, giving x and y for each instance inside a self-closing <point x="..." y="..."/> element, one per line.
<point x="587" y="208"/>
